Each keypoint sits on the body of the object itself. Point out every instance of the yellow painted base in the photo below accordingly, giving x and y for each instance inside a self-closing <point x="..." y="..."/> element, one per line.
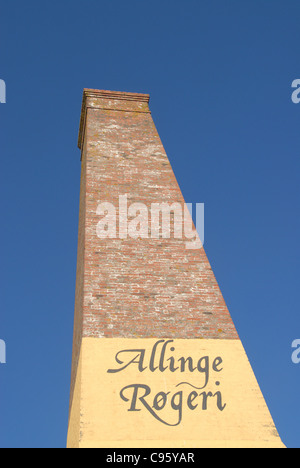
<point x="136" y="393"/>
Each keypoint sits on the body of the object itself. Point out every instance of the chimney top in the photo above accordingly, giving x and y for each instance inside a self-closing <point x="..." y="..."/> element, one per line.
<point x="111" y="101"/>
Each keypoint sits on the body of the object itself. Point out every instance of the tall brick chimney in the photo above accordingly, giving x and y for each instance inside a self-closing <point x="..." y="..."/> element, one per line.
<point x="157" y="361"/>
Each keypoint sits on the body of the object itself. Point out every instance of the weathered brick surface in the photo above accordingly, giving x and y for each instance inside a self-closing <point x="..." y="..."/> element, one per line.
<point x="145" y="287"/>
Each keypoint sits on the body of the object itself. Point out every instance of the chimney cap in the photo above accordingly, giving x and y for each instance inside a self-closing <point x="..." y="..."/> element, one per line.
<point x="100" y="93"/>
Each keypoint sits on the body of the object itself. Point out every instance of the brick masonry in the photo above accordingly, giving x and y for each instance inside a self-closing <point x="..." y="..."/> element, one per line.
<point x="136" y="288"/>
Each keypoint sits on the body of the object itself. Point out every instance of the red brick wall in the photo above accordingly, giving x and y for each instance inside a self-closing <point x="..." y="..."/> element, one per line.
<point x="144" y="287"/>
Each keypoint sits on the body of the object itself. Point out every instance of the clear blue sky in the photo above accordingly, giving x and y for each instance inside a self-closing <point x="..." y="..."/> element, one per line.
<point x="219" y="74"/>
